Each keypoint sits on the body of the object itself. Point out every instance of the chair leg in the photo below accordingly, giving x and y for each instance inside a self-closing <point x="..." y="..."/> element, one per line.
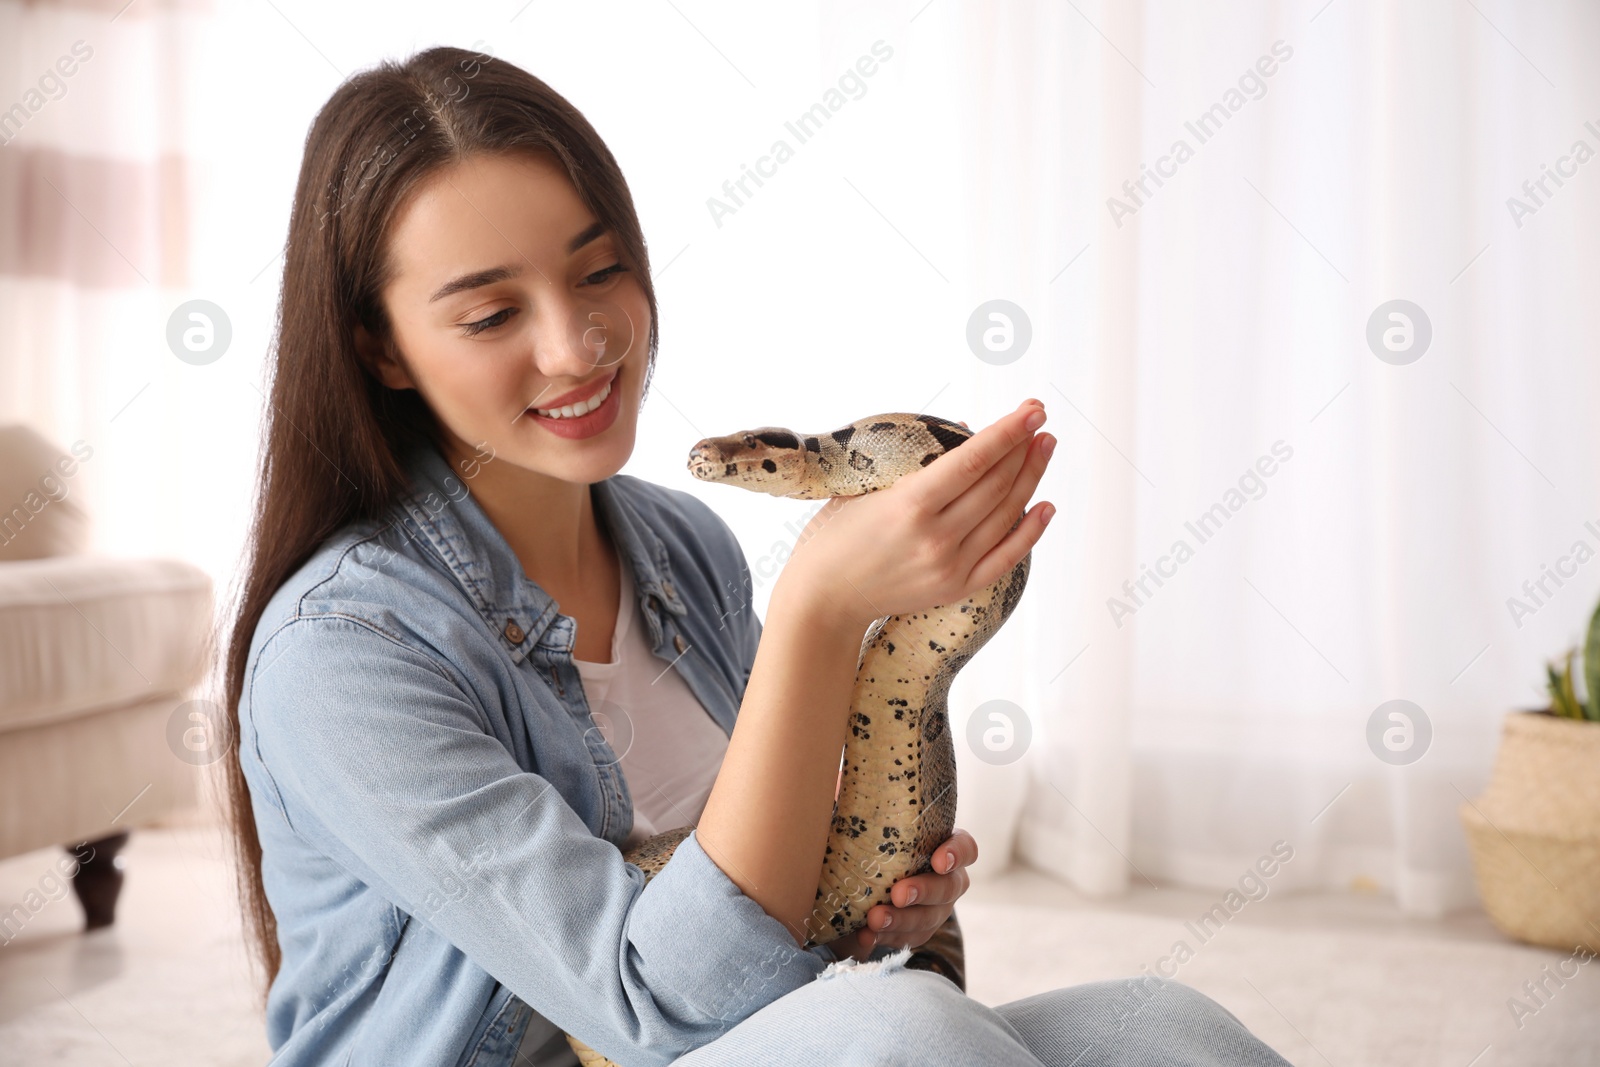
<point x="99" y="879"/>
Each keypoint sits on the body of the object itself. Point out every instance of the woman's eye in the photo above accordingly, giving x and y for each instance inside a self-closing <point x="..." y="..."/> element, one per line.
<point x="601" y="275"/>
<point x="497" y="319"/>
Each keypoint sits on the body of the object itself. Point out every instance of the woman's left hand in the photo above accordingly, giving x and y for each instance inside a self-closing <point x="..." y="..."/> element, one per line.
<point x="918" y="906"/>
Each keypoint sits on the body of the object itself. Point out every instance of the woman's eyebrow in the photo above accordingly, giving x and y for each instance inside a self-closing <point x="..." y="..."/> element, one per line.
<point x="585" y="237"/>
<point x="477" y="279"/>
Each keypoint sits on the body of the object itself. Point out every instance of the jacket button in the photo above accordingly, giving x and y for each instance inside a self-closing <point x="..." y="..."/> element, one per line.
<point x="513" y="632"/>
<point x="679" y="643"/>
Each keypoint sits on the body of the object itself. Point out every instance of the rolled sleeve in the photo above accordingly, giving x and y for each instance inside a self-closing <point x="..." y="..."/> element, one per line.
<point x="378" y="756"/>
<point x="746" y="957"/>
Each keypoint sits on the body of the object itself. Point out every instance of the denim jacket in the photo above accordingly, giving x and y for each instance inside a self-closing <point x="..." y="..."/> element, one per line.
<point x="441" y="818"/>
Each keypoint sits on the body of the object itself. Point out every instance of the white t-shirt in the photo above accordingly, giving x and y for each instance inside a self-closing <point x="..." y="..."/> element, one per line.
<point x="669" y="745"/>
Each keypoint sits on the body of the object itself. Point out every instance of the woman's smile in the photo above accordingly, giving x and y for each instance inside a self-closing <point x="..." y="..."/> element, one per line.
<point x="593" y="412"/>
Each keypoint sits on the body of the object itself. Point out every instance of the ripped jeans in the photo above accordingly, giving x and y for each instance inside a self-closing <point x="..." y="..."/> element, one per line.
<point x="884" y="1015"/>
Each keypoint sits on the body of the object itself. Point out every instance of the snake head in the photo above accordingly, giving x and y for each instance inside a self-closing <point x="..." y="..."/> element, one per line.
<point x="768" y="459"/>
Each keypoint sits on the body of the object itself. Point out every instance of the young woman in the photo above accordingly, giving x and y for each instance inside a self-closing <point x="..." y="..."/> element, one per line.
<point x="451" y="585"/>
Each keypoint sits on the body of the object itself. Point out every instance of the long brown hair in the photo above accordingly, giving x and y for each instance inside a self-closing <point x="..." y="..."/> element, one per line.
<point x="335" y="438"/>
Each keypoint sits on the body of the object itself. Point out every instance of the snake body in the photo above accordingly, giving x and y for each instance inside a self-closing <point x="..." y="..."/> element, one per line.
<point x="897" y="798"/>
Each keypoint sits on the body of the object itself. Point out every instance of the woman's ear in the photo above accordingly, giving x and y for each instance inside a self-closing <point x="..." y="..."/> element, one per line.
<point x="381" y="360"/>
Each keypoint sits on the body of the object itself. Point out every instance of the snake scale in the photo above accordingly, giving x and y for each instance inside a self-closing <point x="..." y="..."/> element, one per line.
<point x="897" y="798"/>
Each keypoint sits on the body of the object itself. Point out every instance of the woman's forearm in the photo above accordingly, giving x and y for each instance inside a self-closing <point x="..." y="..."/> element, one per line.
<point x="766" y="821"/>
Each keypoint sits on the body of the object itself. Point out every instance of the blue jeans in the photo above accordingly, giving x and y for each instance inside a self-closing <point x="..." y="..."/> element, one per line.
<point x="883" y="1015"/>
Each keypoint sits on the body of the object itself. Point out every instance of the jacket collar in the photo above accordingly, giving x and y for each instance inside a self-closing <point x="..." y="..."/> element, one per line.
<point x="477" y="555"/>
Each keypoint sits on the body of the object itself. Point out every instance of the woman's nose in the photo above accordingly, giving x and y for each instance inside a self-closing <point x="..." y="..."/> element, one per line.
<point x="587" y="335"/>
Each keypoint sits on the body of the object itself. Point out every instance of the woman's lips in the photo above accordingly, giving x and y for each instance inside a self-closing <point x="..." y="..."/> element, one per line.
<point x="577" y="395"/>
<point x="596" y="421"/>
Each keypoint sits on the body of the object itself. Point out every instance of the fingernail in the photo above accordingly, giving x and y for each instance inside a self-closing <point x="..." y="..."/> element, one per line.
<point x="911" y="896"/>
<point x="1047" y="513"/>
<point x="1047" y="446"/>
<point x="888" y="921"/>
<point x="949" y="861"/>
<point x="1035" y="420"/>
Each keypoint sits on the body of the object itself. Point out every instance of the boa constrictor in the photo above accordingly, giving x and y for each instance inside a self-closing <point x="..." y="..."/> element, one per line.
<point x="897" y="797"/>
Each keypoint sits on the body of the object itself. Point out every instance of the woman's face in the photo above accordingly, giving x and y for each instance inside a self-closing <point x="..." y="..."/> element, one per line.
<point x="505" y="298"/>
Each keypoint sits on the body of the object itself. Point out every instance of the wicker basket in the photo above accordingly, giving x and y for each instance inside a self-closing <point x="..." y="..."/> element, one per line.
<point x="1535" y="832"/>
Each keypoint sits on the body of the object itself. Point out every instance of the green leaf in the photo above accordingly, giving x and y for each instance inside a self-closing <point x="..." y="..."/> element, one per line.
<point x="1591" y="668"/>
<point x="1561" y="699"/>
<point x="1569" y="690"/>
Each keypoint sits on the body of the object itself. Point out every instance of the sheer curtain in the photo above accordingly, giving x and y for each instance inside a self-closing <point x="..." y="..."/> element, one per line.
<point x="98" y="182"/>
<point x="1202" y="339"/>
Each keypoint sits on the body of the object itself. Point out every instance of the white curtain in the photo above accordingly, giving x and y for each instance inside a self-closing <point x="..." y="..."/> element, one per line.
<point x="98" y="184"/>
<point x="1222" y="315"/>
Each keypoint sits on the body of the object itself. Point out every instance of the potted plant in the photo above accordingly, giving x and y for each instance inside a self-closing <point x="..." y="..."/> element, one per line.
<point x="1535" y="831"/>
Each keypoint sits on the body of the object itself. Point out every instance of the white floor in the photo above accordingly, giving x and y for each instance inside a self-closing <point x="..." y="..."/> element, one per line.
<point x="1332" y="981"/>
<point x="1328" y="980"/>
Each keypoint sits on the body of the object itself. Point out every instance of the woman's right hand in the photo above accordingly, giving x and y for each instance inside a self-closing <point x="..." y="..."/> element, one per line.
<point x="934" y="537"/>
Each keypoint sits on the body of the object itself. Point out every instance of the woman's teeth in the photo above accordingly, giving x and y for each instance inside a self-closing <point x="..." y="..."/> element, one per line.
<point x="582" y="407"/>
